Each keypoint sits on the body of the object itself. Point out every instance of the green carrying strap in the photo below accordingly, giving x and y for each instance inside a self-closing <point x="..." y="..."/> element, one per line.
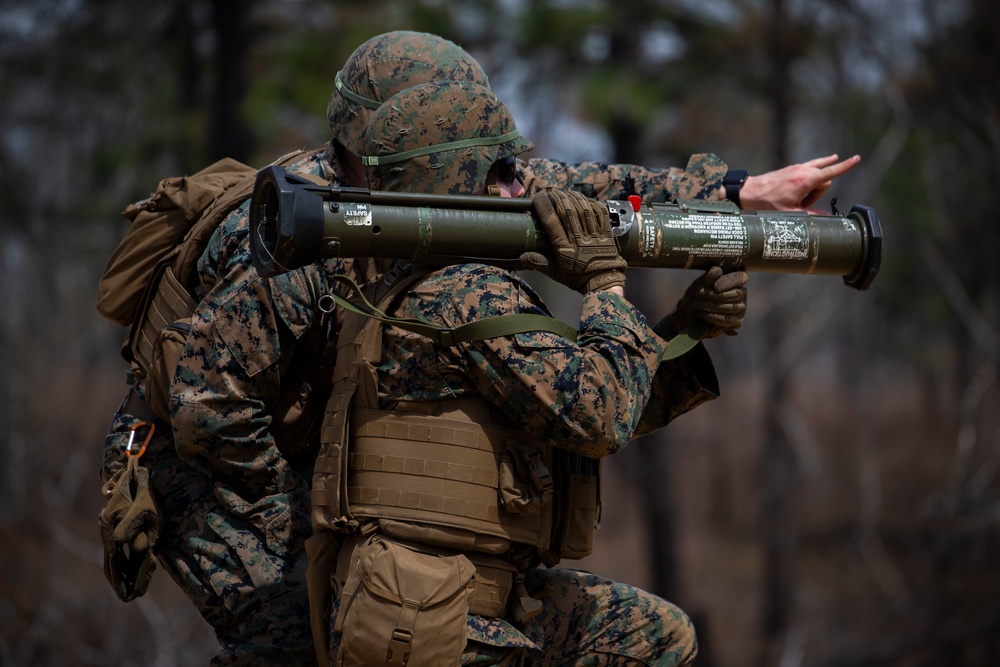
<point x="490" y="327"/>
<point x="685" y="340"/>
<point x="497" y="326"/>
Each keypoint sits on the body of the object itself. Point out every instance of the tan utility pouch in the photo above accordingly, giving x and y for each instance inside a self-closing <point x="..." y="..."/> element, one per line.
<point x="166" y="353"/>
<point x="407" y="606"/>
<point x="580" y="504"/>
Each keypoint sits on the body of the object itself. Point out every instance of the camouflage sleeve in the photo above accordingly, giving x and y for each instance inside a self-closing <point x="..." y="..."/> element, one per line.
<point x="228" y="246"/>
<point x="700" y="180"/>
<point x="586" y="395"/>
<point x="227" y="376"/>
<point x="115" y="443"/>
<point x="679" y="386"/>
<point x="243" y="335"/>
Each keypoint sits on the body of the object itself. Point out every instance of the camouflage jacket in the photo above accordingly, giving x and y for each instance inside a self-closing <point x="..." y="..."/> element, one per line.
<point x="245" y="335"/>
<point x="246" y="329"/>
<point x="590" y="396"/>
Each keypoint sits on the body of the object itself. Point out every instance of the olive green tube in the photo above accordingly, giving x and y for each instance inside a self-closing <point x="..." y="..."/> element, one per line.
<point x="294" y="223"/>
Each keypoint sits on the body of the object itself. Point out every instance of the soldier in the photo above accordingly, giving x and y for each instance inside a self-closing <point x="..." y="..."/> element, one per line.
<point x="233" y="492"/>
<point x="230" y="472"/>
<point x="453" y="473"/>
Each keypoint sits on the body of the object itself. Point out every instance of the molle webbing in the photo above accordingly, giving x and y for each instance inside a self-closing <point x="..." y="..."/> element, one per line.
<point x="452" y="474"/>
<point x="355" y="384"/>
<point x="435" y="470"/>
<point x="359" y="348"/>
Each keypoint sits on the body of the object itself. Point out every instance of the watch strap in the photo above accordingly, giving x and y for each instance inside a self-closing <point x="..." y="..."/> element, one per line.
<point x="733" y="182"/>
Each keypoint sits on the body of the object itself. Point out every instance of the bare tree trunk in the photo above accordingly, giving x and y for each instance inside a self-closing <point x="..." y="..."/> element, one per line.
<point x="623" y="126"/>
<point x="13" y="443"/>
<point x="654" y="468"/>
<point x="777" y="462"/>
<point x="229" y="134"/>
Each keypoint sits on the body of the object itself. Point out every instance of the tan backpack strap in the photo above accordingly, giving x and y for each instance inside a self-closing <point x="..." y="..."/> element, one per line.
<point x="186" y="263"/>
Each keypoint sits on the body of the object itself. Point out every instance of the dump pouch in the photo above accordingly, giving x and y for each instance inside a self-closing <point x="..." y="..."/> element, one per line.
<point x="579" y="504"/>
<point x="407" y="606"/>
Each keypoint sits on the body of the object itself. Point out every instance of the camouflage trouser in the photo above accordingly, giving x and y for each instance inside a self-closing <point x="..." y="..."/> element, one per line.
<point x="254" y="599"/>
<point x="590" y="621"/>
<point x="586" y="621"/>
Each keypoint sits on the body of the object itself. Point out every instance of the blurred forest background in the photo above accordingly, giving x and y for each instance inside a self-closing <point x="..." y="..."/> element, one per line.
<point x="837" y="506"/>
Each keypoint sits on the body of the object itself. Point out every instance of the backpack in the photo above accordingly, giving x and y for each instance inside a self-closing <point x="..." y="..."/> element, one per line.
<point x="148" y="281"/>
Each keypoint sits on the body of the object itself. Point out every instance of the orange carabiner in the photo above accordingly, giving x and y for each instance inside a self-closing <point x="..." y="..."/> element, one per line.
<point x="145" y="443"/>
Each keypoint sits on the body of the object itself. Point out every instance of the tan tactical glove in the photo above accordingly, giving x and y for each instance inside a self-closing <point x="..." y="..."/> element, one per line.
<point x="579" y="230"/>
<point x="130" y="524"/>
<point x="715" y="297"/>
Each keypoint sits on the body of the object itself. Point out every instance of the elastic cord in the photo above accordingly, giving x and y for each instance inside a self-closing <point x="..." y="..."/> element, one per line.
<point x="375" y="160"/>
<point x="354" y="97"/>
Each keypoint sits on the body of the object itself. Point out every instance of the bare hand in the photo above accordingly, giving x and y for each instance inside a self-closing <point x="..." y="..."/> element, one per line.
<point x="796" y="187"/>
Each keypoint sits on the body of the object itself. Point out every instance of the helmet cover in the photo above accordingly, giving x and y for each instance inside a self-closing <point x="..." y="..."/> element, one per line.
<point x="385" y="65"/>
<point x="440" y="138"/>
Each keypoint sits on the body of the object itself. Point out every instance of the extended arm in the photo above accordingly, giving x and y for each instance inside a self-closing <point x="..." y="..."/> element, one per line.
<point x="795" y="187"/>
<point x="701" y="179"/>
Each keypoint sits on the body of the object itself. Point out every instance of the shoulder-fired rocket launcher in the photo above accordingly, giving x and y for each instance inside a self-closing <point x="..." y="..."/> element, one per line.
<point x="295" y="222"/>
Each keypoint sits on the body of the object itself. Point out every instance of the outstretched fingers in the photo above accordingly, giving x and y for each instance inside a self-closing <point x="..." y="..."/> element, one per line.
<point x="832" y="169"/>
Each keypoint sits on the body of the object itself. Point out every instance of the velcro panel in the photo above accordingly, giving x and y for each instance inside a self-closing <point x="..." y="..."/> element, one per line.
<point x="433" y="470"/>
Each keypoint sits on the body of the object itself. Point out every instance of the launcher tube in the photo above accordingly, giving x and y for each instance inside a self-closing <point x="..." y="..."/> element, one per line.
<point x="294" y="223"/>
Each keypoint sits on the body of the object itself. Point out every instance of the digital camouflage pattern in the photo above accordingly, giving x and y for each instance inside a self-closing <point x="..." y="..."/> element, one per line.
<point x="389" y="63"/>
<point x="385" y="65"/>
<point x="234" y="545"/>
<point x="591" y="397"/>
<point x="235" y="505"/>
<point x="439" y="137"/>
<point x="252" y="597"/>
<point x="700" y="180"/>
<point x="221" y="558"/>
<point x="637" y="627"/>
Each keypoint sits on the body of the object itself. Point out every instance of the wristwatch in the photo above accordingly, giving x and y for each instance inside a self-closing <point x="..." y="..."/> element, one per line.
<point x="732" y="182"/>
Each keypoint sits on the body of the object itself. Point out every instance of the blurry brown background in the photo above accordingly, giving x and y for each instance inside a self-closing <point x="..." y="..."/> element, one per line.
<point x="837" y="506"/>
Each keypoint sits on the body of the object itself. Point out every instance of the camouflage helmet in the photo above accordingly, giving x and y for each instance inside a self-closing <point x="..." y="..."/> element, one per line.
<point x="385" y="65"/>
<point x="440" y="137"/>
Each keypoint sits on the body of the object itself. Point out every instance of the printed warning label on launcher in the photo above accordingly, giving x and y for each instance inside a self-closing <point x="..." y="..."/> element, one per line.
<point x="785" y="239"/>
<point x="357" y="215"/>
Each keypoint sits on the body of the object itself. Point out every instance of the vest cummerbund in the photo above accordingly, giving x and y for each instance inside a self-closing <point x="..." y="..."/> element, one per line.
<point x="439" y="471"/>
